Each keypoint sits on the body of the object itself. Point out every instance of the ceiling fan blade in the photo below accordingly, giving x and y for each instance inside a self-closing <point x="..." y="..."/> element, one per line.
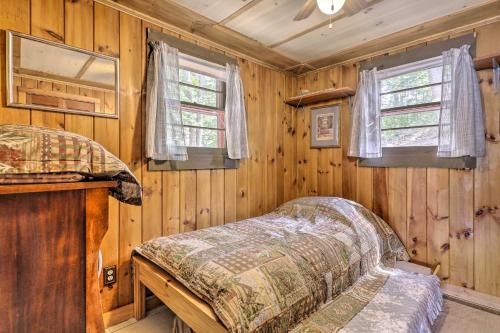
<point x="306" y="10"/>
<point x="352" y="7"/>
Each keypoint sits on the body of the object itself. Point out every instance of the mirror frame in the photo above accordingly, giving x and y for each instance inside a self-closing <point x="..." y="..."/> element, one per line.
<point x="10" y="77"/>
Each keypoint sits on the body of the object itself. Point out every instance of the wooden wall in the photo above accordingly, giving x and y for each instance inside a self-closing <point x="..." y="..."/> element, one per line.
<point x="173" y="201"/>
<point x="451" y="217"/>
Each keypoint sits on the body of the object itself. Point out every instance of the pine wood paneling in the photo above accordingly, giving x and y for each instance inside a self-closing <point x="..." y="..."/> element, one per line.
<point x="462" y="228"/>
<point x="107" y="132"/>
<point x="171" y="204"/>
<point x="396" y="186"/>
<point x="217" y="197"/>
<point x="279" y="119"/>
<point x="438" y="228"/>
<point x="130" y="143"/>
<point x="203" y="199"/>
<point x="47" y="21"/>
<point x="255" y="161"/>
<point x="230" y="195"/>
<point x="416" y="227"/>
<point x="487" y="179"/>
<point x="187" y="201"/>
<point x="289" y="125"/>
<point x="79" y="32"/>
<point x="14" y="15"/>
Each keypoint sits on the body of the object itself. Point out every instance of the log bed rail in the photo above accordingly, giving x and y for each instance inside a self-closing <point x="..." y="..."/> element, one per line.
<point x="197" y="314"/>
<point x="193" y="311"/>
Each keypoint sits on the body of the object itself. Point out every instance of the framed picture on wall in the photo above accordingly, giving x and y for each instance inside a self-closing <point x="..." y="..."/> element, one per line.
<point x="325" y="127"/>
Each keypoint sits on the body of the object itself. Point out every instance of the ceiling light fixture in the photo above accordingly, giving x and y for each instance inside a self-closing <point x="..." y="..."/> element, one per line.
<point x="330" y="7"/>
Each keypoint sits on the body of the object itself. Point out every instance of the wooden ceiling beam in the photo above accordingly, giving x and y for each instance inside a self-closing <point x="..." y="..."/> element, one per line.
<point x="182" y="20"/>
<point x="240" y="11"/>
<point x="352" y="7"/>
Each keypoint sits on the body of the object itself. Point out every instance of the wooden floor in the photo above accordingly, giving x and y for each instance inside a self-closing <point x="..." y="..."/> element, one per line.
<point x="456" y="318"/>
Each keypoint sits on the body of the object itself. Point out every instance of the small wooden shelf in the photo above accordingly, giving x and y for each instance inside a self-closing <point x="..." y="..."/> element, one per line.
<point x="320" y="96"/>
<point x="486" y="62"/>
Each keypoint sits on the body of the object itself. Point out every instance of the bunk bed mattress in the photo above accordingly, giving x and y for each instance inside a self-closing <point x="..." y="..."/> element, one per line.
<point x="269" y="273"/>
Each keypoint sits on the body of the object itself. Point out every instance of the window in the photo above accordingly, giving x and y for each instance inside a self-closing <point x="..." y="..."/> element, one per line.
<point x="202" y="75"/>
<point x="410" y="95"/>
<point x="410" y="100"/>
<point x="203" y="94"/>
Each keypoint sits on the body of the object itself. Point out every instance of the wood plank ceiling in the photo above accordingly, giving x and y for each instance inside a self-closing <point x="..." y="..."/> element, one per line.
<point x="265" y="29"/>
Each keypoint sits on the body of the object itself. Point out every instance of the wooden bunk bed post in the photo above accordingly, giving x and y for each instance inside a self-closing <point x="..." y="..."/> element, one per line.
<point x="195" y="313"/>
<point x="139" y="295"/>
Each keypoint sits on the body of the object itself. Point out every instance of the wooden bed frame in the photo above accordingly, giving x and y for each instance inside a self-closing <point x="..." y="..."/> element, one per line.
<point x="196" y="313"/>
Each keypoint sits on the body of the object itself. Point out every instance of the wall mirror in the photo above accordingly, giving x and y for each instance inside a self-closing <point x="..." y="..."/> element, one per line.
<point x="51" y="76"/>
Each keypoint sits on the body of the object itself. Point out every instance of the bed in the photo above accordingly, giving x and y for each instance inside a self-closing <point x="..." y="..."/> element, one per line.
<point x="312" y="265"/>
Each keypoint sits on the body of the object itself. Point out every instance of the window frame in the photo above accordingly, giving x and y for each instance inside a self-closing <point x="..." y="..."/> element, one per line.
<point x="218" y="110"/>
<point x="200" y="158"/>
<point x="417" y="156"/>
<point x="413" y="67"/>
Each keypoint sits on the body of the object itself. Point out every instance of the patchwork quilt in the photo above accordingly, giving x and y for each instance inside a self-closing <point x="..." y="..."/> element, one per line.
<point x="30" y="154"/>
<point x="384" y="301"/>
<point x="269" y="273"/>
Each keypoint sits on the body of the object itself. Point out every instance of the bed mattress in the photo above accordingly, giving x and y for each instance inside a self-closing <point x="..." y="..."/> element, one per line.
<point x="269" y="273"/>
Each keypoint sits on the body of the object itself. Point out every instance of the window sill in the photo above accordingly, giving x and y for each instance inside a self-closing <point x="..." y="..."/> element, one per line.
<point x="416" y="157"/>
<point x="199" y="159"/>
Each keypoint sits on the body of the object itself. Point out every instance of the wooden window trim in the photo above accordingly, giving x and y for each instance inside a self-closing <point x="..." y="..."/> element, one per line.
<point x="190" y="48"/>
<point x="421" y="53"/>
<point x="199" y="159"/>
<point x="416" y="157"/>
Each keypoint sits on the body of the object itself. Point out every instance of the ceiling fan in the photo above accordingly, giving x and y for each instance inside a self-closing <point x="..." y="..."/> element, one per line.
<point x="330" y="7"/>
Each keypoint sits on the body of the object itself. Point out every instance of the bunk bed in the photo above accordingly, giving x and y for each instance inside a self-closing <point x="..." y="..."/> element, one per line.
<point x="312" y="265"/>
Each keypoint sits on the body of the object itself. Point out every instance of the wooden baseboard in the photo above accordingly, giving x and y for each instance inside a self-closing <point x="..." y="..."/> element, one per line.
<point x="118" y="315"/>
<point x="472" y="298"/>
<point x="126" y="312"/>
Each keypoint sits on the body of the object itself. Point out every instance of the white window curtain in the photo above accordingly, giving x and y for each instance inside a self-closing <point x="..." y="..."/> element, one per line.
<point x="461" y="123"/>
<point x="164" y="130"/>
<point x="365" y="121"/>
<point x="235" y="115"/>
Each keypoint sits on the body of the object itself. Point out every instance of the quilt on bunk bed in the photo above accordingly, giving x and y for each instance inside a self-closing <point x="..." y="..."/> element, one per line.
<point x="270" y="273"/>
<point x="384" y="301"/>
<point x="30" y="154"/>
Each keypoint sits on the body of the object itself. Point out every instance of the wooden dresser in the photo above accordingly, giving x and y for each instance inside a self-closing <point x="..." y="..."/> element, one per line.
<point x="50" y="236"/>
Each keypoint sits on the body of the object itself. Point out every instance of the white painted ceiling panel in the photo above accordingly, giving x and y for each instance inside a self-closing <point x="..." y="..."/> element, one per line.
<point x="271" y="21"/>
<point x="216" y="10"/>
<point x="384" y="18"/>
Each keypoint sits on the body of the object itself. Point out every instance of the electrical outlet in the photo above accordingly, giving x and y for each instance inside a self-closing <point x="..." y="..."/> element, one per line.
<point x="109" y="275"/>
